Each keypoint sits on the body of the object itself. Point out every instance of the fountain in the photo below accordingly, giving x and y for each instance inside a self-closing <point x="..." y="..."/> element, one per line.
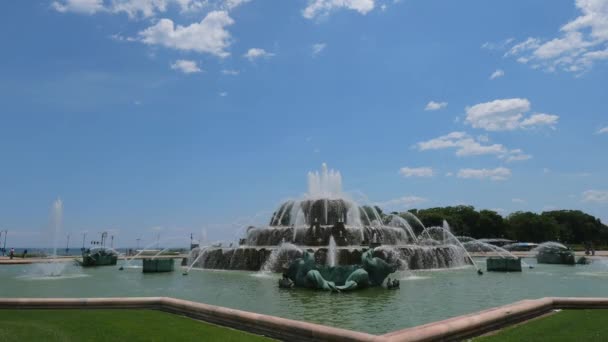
<point x="54" y="268"/>
<point x="326" y="223"/>
<point x="554" y="253"/>
<point x="98" y="257"/>
<point x="500" y="260"/>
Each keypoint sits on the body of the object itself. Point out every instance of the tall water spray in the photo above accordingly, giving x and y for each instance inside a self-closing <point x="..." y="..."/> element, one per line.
<point x="53" y="269"/>
<point x="327" y="184"/>
<point x="57" y="217"/>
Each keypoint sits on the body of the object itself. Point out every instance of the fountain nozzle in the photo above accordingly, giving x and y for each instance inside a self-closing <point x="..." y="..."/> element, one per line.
<point x="121" y="268"/>
<point x="185" y="273"/>
<point x="479" y="271"/>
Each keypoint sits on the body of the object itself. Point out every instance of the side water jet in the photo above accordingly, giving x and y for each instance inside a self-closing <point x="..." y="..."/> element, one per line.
<point x="280" y="257"/>
<point x="200" y="254"/>
<point x="475" y="246"/>
<point x="447" y="237"/>
<point x="331" y="252"/>
<point x="128" y="261"/>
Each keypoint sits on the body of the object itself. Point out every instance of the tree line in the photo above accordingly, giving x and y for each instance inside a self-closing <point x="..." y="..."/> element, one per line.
<point x="566" y="226"/>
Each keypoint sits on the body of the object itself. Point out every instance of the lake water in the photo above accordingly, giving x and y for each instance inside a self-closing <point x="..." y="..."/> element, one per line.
<point x="424" y="296"/>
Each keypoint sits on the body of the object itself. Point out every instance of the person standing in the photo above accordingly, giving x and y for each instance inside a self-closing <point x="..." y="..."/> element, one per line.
<point x="12" y="253"/>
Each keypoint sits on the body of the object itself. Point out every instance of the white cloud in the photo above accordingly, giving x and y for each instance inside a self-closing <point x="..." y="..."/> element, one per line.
<point x="223" y="94"/>
<point x="497" y="45"/>
<point x="231" y="4"/>
<point x="603" y="130"/>
<point x="185" y="66"/>
<point x="518" y="200"/>
<point x="318" y="8"/>
<point x="466" y="145"/>
<point x="581" y="42"/>
<point x="318" y="48"/>
<point x="255" y="53"/>
<point x="505" y="115"/>
<point x="516" y="155"/>
<point x="540" y="119"/>
<point x="230" y="72"/>
<point x="78" y="6"/>
<point x="417" y="172"/>
<point x="401" y="202"/>
<point x="432" y="105"/>
<point x="496" y="74"/>
<point x="597" y="196"/>
<point x="208" y="36"/>
<point x="132" y="8"/>
<point x="497" y="174"/>
<point x="136" y="8"/>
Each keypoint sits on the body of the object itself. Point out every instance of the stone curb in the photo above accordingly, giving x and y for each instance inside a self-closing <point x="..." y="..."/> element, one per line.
<point x="271" y="326"/>
<point x="453" y="329"/>
<point x="465" y="326"/>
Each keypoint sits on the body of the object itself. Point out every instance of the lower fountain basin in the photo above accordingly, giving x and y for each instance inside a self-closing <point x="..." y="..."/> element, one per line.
<point x="257" y="258"/>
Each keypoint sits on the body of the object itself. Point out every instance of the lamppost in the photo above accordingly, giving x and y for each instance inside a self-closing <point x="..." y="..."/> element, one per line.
<point x="1" y="241"/>
<point x="67" y="246"/>
<point x="84" y="236"/>
<point x="4" y="247"/>
<point x="136" y="248"/>
<point x="112" y="241"/>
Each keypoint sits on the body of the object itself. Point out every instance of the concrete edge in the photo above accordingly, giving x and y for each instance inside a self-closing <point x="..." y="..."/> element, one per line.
<point x="470" y="325"/>
<point x="271" y="326"/>
<point x="452" y="329"/>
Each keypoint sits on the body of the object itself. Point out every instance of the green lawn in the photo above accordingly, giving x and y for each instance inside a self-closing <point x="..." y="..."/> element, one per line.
<point x="111" y="325"/>
<point x="567" y="325"/>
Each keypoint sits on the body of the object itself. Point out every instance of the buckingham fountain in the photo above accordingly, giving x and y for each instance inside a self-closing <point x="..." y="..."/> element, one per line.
<point x="326" y="228"/>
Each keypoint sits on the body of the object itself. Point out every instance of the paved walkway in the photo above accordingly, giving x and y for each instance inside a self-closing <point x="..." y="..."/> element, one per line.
<point x="5" y="260"/>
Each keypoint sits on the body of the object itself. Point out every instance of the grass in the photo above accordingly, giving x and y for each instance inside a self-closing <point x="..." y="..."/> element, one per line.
<point x="111" y="325"/>
<point x="568" y="325"/>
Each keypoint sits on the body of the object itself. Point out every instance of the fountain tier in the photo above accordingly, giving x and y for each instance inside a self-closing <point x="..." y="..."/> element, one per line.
<point x="277" y="259"/>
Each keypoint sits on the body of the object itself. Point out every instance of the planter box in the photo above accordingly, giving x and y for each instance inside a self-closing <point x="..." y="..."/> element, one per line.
<point x="498" y="264"/>
<point x="158" y="265"/>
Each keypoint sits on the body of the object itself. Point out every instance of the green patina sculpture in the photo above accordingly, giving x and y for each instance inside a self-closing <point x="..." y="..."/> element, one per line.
<point x="304" y="272"/>
<point x="97" y="257"/>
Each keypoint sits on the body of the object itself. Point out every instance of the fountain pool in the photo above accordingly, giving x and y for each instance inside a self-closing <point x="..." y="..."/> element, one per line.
<point x="424" y="296"/>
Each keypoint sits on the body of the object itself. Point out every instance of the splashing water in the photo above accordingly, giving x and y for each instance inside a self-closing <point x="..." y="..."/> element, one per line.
<point x="399" y="222"/>
<point x="201" y="252"/>
<point x="445" y="236"/>
<point x="280" y="257"/>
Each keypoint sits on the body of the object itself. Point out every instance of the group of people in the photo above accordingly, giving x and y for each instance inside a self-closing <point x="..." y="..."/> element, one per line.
<point x="11" y="253"/>
<point x="589" y="248"/>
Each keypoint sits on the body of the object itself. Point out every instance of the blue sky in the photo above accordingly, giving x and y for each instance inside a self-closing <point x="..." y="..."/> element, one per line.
<point x="174" y="116"/>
